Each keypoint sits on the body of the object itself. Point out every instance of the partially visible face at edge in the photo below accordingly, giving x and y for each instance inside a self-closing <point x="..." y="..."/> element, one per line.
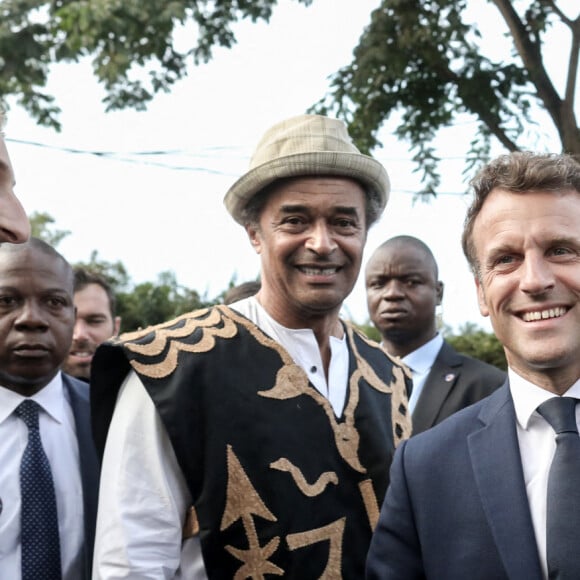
<point x="94" y="324"/>
<point x="14" y="225"/>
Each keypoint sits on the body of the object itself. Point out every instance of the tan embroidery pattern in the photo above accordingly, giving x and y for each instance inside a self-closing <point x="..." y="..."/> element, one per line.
<point x="402" y="426"/>
<point x="243" y="502"/>
<point x="310" y="490"/>
<point x="164" y="332"/>
<point x="255" y="331"/>
<point x="332" y="532"/>
<point x="291" y="381"/>
<point x="370" y="500"/>
<point x="191" y="525"/>
<point x="401" y="419"/>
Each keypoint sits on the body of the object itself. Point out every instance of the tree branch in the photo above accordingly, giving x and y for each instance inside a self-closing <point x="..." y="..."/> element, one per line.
<point x="532" y="58"/>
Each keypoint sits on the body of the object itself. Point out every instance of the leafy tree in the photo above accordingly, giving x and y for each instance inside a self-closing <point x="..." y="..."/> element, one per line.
<point x="132" y="44"/>
<point x="479" y="344"/>
<point x="151" y="303"/>
<point x="115" y="273"/>
<point x="424" y="60"/>
<point x="470" y="340"/>
<point x="370" y="330"/>
<point x="140" y="305"/>
<point x="41" y="226"/>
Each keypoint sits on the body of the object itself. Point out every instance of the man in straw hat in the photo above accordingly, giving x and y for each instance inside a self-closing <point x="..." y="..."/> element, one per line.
<point x="254" y="440"/>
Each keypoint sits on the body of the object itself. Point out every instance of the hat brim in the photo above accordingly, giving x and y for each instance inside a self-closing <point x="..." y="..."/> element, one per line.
<point x="361" y="168"/>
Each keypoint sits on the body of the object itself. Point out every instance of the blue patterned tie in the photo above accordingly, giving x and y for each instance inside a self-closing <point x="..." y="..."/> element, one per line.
<point x="563" y="506"/>
<point x="39" y="537"/>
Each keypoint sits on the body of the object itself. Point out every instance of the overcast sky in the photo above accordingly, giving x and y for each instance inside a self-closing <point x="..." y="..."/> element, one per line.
<point x="165" y="212"/>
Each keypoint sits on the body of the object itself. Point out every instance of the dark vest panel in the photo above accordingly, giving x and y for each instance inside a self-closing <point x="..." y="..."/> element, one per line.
<point x="280" y="485"/>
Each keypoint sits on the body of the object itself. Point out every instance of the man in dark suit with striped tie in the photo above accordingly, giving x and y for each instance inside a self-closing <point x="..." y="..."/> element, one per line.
<point x="49" y="475"/>
<point x="494" y="490"/>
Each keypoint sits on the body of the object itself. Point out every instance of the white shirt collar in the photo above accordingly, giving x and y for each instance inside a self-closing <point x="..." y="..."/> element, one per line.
<point x="51" y="398"/>
<point x="422" y="359"/>
<point x="527" y="396"/>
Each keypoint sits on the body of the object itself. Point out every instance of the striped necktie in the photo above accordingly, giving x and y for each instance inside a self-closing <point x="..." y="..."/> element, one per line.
<point x="563" y="502"/>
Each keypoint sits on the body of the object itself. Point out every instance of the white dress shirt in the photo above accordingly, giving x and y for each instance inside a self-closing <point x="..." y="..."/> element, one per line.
<point x="420" y="362"/>
<point x="143" y="495"/>
<point x="537" y="442"/>
<point x="59" y="440"/>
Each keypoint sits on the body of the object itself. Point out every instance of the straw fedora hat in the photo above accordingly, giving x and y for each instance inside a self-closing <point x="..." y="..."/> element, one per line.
<point x="302" y="146"/>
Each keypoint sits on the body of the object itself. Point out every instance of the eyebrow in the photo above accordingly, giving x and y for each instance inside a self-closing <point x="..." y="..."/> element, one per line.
<point x="292" y="208"/>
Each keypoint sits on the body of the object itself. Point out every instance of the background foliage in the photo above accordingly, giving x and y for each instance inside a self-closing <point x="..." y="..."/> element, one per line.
<point x="422" y="65"/>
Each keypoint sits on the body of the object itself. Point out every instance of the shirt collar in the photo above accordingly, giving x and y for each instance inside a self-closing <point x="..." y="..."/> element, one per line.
<point x="50" y="398"/>
<point x="527" y="396"/>
<point x="252" y="309"/>
<point x="422" y="359"/>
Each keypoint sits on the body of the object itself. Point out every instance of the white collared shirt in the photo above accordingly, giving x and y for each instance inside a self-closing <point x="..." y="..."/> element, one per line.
<point x="143" y="496"/>
<point x="537" y="443"/>
<point x="302" y="347"/>
<point x="58" y="434"/>
<point x="420" y="362"/>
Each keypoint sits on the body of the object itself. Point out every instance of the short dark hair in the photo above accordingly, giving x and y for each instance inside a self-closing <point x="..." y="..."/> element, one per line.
<point x="517" y="172"/>
<point x="405" y="240"/>
<point x="83" y="277"/>
<point x="241" y="291"/>
<point x="41" y="246"/>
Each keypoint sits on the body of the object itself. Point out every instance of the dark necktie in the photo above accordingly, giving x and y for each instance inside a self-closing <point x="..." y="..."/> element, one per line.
<point x="39" y="537"/>
<point x="563" y="506"/>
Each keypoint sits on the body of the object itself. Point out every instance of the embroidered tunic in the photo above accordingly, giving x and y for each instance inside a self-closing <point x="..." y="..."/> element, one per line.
<point x="280" y="485"/>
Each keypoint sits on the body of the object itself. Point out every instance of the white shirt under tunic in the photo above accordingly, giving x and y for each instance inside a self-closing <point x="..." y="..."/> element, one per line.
<point x="537" y="442"/>
<point x="59" y="440"/>
<point x="143" y="495"/>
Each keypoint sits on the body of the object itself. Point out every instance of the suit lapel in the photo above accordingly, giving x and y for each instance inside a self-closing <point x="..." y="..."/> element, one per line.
<point x="443" y="376"/>
<point x="497" y="467"/>
<point x="89" y="463"/>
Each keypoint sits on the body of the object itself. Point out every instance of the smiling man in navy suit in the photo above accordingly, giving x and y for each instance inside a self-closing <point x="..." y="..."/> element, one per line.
<point x="470" y="497"/>
<point x="403" y="292"/>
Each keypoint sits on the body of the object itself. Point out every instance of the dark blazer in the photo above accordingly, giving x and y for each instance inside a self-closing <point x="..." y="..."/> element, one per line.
<point x="455" y="381"/>
<point x="457" y="507"/>
<point x="78" y="394"/>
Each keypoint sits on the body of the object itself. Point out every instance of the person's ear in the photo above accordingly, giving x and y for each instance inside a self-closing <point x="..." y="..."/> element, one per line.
<point x="439" y="292"/>
<point x="255" y="237"/>
<point x="483" y="309"/>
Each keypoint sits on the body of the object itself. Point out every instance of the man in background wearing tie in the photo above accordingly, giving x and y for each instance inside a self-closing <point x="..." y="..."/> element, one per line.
<point x="493" y="491"/>
<point x="403" y="292"/>
<point x="49" y="468"/>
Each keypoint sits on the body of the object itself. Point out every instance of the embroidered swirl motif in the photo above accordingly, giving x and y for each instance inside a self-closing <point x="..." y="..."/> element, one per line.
<point x="213" y="326"/>
<point x="310" y="490"/>
<point x="370" y="500"/>
<point x="332" y="533"/>
<point x="401" y="420"/>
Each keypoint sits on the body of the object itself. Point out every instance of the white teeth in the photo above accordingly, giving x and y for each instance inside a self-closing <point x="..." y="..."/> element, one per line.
<point x="319" y="271"/>
<point x="544" y="314"/>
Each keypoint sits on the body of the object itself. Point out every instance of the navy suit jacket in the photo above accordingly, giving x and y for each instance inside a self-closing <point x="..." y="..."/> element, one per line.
<point x="78" y="396"/>
<point x="457" y="507"/>
<point x="455" y="381"/>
